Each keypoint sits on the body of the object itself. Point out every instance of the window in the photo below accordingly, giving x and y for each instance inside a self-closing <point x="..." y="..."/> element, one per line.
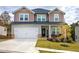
<point x="41" y="17"/>
<point x="55" y="30"/>
<point x="5" y="29"/>
<point x="56" y="17"/>
<point x="21" y="17"/>
<point x="24" y="17"/>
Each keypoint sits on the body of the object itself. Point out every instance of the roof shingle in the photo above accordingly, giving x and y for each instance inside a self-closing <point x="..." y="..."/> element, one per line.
<point x="40" y="10"/>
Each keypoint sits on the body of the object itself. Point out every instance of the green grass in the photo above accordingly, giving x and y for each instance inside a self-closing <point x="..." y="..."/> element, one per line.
<point x="42" y="51"/>
<point x="56" y="45"/>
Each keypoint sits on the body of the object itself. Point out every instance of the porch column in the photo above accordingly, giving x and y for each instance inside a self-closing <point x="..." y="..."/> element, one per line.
<point x="49" y="31"/>
<point x="65" y="35"/>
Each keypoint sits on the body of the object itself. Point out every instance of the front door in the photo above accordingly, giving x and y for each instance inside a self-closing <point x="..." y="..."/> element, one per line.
<point x="44" y="31"/>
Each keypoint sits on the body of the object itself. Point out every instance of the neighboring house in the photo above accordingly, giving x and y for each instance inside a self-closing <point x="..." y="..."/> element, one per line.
<point x="4" y="24"/>
<point x="77" y="31"/>
<point x="29" y="24"/>
<point x="3" y="29"/>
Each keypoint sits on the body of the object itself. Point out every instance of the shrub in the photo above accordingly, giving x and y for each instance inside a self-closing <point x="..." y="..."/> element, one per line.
<point x="61" y="38"/>
<point x="69" y="40"/>
<point x="57" y="40"/>
<point x="53" y="39"/>
<point x="49" y="39"/>
<point x="5" y="37"/>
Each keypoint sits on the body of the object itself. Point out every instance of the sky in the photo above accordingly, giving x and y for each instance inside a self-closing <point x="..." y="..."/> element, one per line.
<point x="71" y="12"/>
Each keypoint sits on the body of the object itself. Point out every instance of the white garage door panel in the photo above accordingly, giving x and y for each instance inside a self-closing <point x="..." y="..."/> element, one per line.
<point x="23" y="33"/>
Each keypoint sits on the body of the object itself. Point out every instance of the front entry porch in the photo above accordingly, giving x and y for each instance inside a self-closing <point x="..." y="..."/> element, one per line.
<point x="48" y="31"/>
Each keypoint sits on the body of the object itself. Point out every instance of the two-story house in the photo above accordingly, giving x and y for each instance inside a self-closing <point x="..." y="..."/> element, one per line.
<point x="29" y="24"/>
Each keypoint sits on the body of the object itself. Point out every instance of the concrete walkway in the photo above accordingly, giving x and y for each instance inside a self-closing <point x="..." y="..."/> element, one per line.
<point x="54" y="50"/>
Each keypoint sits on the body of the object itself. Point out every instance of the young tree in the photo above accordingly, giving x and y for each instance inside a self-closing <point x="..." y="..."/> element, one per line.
<point x="68" y="32"/>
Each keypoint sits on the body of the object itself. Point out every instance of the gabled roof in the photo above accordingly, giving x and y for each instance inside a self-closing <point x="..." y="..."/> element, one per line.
<point x="23" y="8"/>
<point x="40" y="10"/>
<point x="56" y="9"/>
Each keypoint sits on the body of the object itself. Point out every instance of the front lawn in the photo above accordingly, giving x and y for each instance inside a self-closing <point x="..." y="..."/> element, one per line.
<point x="57" y="45"/>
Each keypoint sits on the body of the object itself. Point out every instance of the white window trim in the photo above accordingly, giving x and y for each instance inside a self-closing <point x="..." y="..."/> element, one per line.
<point x="56" y="30"/>
<point x="41" y="17"/>
<point x="54" y="18"/>
<point x="23" y="19"/>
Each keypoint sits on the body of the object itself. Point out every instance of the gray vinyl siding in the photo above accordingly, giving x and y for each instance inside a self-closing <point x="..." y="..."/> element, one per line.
<point x="77" y="33"/>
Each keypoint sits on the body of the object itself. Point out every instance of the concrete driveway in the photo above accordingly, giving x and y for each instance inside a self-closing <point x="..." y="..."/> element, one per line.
<point x="15" y="45"/>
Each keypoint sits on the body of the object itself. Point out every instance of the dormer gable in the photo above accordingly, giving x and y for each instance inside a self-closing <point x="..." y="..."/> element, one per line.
<point x="56" y="10"/>
<point x="23" y="9"/>
<point x="24" y="15"/>
<point x="56" y="15"/>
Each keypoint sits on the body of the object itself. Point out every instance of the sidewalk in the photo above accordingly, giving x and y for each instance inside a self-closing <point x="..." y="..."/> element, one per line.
<point x="54" y="50"/>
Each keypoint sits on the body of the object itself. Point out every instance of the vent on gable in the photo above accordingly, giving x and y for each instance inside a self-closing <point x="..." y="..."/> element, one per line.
<point x="23" y="7"/>
<point x="56" y="9"/>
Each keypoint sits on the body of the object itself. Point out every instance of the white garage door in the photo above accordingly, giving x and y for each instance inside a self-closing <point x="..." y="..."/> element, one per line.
<point x="26" y="33"/>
